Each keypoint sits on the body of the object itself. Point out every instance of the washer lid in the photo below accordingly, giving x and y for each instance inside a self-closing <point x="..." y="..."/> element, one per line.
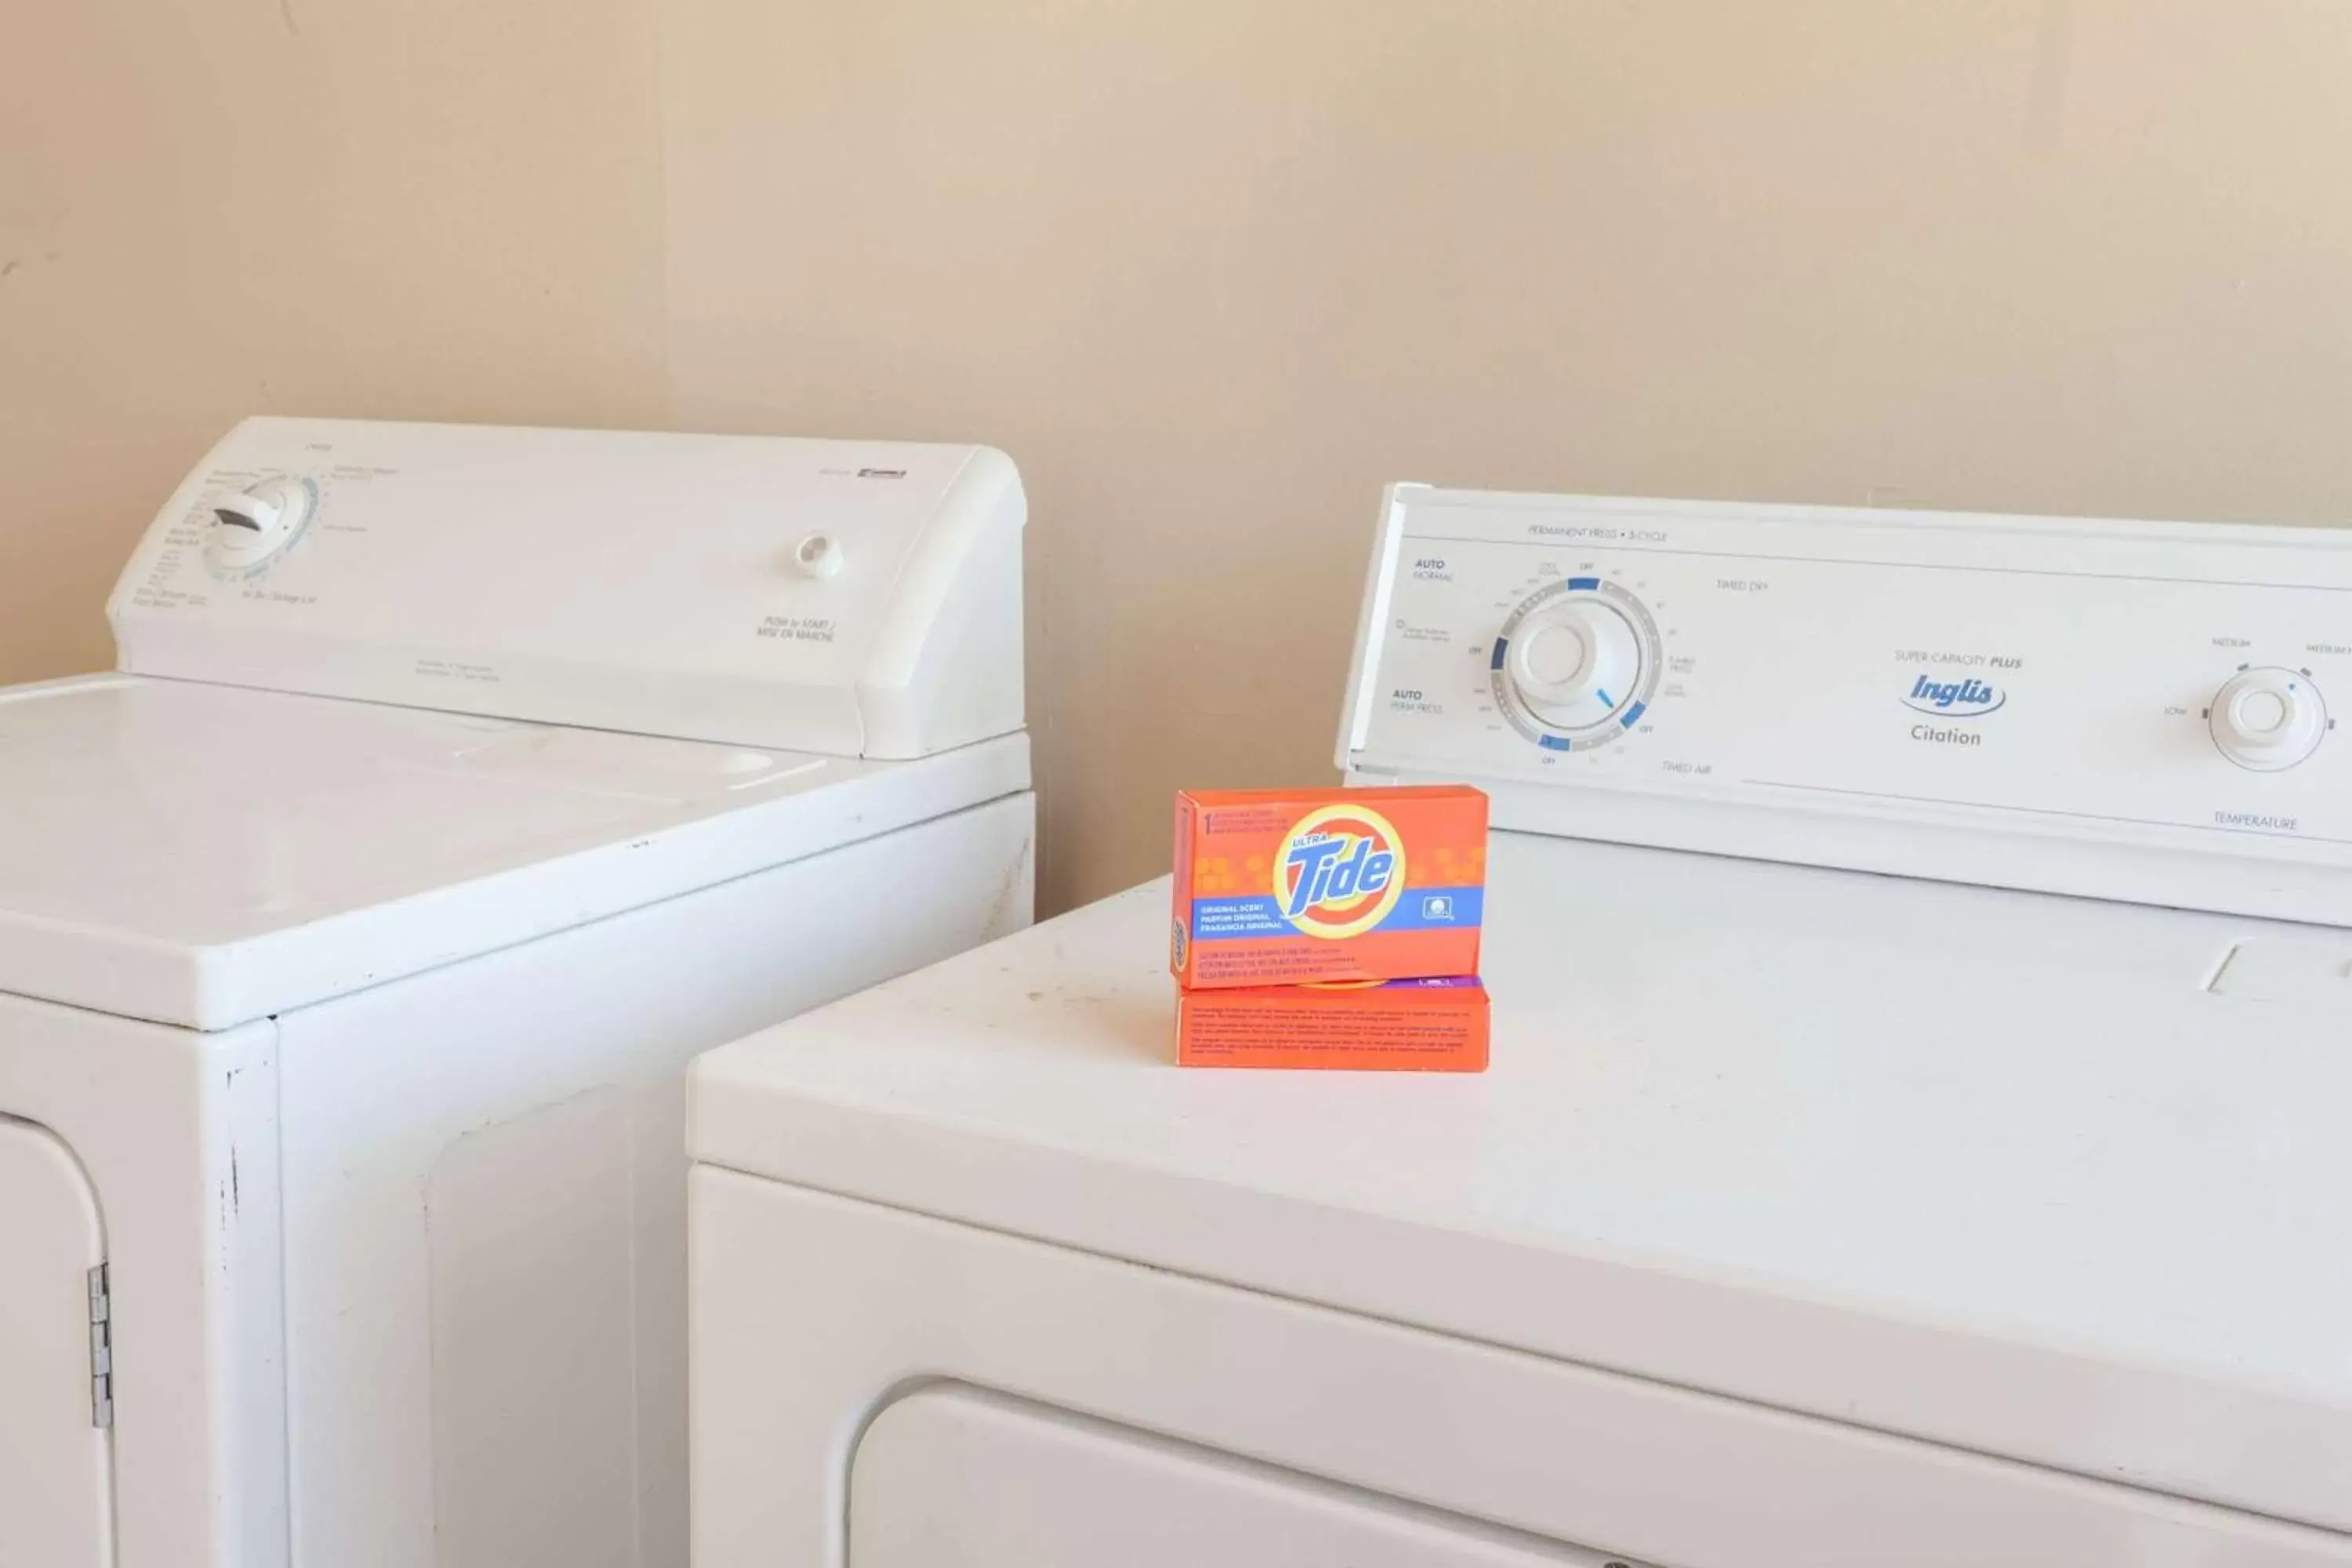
<point x="203" y="855"/>
<point x="2042" y="1177"/>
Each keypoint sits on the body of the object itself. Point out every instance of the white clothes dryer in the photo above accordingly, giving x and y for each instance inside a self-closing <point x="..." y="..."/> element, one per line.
<point x="459" y="784"/>
<point x="1806" y="1218"/>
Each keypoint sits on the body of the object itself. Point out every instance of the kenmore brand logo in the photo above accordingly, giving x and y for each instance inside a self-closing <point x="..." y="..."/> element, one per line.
<point x="1969" y="698"/>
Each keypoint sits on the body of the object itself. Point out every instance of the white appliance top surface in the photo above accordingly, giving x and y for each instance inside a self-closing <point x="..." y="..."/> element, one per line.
<point x="2044" y="1177"/>
<point x="203" y="855"/>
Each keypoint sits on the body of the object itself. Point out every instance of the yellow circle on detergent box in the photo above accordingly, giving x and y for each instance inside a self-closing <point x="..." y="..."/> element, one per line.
<point x="1321" y="890"/>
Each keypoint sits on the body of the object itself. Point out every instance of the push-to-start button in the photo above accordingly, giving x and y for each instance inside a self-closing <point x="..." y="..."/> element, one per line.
<point x="818" y="555"/>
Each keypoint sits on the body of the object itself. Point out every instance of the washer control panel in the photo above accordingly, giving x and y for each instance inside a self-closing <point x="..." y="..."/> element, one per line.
<point x="859" y="598"/>
<point x="1817" y="683"/>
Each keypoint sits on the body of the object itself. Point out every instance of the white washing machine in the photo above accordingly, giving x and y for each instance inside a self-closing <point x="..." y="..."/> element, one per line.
<point x="1810" y="1216"/>
<point x="460" y="783"/>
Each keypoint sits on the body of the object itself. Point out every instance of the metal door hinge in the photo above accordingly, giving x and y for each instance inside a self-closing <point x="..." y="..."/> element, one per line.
<point x="101" y="1349"/>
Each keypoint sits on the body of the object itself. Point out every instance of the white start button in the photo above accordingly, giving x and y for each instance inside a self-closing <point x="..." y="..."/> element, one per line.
<point x="818" y="555"/>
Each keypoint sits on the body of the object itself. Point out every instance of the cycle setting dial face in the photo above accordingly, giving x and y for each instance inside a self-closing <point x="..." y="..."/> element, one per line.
<point x="259" y="523"/>
<point x="1576" y="664"/>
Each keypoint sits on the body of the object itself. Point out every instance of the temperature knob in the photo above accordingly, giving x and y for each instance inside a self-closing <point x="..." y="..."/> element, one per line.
<point x="1575" y="665"/>
<point x="2268" y="719"/>
<point x="256" y="522"/>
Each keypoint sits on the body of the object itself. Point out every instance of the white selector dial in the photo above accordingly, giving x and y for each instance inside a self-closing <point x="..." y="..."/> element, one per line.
<point x="2268" y="719"/>
<point x="256" y="522"/>
<point x="1568" y="658"/>
<point x="1574" y="665"/>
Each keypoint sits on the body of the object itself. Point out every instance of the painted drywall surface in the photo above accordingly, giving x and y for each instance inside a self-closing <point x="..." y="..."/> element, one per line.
<point x="1214" y="272"/>
<point x="426" y="209"/>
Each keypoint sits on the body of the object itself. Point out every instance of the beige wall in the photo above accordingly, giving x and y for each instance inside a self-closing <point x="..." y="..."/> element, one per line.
<point x="210" y="209"/>
<point x="1213" y="271"/>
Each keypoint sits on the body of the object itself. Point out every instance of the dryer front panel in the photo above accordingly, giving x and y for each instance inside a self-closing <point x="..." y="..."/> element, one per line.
<point x="816" y="1317"/>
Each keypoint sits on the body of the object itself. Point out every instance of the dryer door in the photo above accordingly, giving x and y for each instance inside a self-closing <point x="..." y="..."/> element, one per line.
<point x="57" y="1500"/>
<point x="1409" y="1435"/>
<point x="955" y="1477"/>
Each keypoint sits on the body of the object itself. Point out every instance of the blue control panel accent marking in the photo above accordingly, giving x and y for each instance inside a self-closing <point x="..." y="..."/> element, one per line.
<point x="1606" y="700"/>
<point x="1551" y="743"/>
<point x="1632" y="713"/>
<point x="1575" y="583"/>
<point x="1502" y="646"/>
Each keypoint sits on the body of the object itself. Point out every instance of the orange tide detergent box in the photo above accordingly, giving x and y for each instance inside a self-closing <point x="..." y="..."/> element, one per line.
<point x="1380" y="1025"/>
<point x="1283" y="886"/>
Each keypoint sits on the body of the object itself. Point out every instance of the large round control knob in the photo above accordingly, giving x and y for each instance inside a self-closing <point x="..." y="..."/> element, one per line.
<point x="2268" y="719"/>
<point x="1567" y="661"/>
<point x="259" y="522"/>
<point x="1575" y="664"/>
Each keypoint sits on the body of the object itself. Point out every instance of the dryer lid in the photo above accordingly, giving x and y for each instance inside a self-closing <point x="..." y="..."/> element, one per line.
<point x="2005" y="1170"/>
<point x="204" y="855"/>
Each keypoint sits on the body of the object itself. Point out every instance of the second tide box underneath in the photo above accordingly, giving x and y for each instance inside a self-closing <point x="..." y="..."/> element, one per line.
<point x="1282" y="887"/>
<point x="1382" y="1025"/>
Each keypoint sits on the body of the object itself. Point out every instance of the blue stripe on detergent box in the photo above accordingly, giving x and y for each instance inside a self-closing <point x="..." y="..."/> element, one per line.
<point x="1213" y="919"/>
<point x="1434" y="909"/>
<point x="1420" y="908"/>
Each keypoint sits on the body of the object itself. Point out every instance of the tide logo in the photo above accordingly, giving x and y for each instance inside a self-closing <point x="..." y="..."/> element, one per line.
<point x="1339" y="871"/>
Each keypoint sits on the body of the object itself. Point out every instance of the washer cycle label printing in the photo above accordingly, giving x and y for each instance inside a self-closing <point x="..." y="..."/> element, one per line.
<point x="1274" y="887"/>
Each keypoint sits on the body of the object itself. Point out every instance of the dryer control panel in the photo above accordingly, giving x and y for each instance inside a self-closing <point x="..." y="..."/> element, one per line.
<point x="859" y="598"/>
<point x="2138" y="710"/>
